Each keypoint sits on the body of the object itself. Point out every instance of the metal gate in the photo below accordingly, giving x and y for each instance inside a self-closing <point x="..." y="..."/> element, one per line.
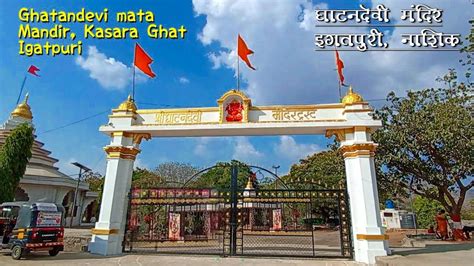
<point x="236" y="221"/>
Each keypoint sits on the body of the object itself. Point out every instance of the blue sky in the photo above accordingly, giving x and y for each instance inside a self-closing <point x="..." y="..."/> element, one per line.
<point x="198" y="70"/>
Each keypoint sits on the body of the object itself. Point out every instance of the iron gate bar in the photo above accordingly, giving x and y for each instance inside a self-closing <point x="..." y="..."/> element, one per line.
<point x="129" y="207"/>
<point x="233" y="216"/>
<point x="329" y="196"/>
<point x="221" y="211"/>
<point x="312" y="229"/>
<point x="349" y="225"/>
<point x="340" y="225"/>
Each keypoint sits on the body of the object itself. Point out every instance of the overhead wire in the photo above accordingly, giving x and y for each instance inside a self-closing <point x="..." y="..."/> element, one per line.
<point x="95" y="115"/>
<point x="73" y="123"/>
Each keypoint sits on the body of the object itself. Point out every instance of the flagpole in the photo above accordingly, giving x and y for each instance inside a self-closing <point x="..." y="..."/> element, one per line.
<point x="238" y="73"/>
<point x="238" y="66"/>
<point x="133" y="75"/>
<point x="21" y="90"/>
<point x="340" y="94"/>
<point x="133" y="84"/>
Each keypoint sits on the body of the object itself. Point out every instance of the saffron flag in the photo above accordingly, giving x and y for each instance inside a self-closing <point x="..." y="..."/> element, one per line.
<point x="32" y="70"/>
<point x="340" y="66"/>
<point x="142" y="60"/>
<point x="243" y="51"/>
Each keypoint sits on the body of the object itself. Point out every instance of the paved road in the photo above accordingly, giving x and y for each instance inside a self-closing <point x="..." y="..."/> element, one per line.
<point x="430" y="256"/>
<point x="72" y="259"/>
<point x="452" y="254"/>
<point x="435" y="253"/>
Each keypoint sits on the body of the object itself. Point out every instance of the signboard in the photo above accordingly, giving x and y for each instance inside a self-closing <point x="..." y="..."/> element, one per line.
<point x="277" y="219"/>
<point x="170" y="193"/>
<point x="45" y="219"/>
<point x="174" y="226"/>
<point x="47" y="207"/>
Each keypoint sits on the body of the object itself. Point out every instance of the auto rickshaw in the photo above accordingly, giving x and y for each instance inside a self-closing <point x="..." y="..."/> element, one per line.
<point x="27" y="226"/>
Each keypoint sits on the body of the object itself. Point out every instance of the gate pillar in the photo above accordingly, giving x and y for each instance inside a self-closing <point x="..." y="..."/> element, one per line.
<point x="368" y="235"/>
<point x="108" y="234"/>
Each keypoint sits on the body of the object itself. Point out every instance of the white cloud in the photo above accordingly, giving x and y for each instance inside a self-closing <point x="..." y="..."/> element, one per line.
<point x="183" y="80"/>
<point x="139" y="163"/>
<point x="201" y="149"/>
<point x="244" y="150"/>
<point x="241" y="148"/>
<point x="219" y="59"/>
<point x="288" y="148"/>
<point x="66" y="167"/>
<point x="109" y="72"/>
<point x="289" y="71"/>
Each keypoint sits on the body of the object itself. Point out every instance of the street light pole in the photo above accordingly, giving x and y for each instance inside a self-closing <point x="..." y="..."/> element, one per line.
<point x="82" y="169"/>
<point x="275" y="168"/>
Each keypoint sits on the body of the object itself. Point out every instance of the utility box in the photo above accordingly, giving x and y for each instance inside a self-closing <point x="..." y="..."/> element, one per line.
<point x="407" y="220"/>
<point x="397" y="219"/>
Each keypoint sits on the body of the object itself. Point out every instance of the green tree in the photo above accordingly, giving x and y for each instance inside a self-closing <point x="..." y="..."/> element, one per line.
<point x="175" y="173"/>
<point x="426" y="211"/>
<point x="143" y="178"/>
<point x="95" y="181"/>
<point x="14" y="156"/>
<point x="426" y="142"/>
<point x="96" y="184"/>
<point x="219" y="177"/>
<point x="326" y="167"/>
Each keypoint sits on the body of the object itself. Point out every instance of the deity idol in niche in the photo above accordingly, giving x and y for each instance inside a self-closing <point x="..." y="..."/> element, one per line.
<point x="234" y="111"/>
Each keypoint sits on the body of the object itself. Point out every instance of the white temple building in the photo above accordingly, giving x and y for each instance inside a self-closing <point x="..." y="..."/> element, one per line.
<point x="43" y="182"/>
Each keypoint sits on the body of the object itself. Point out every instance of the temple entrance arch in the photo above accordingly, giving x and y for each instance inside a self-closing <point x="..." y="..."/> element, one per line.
<point x="350" y="121"/>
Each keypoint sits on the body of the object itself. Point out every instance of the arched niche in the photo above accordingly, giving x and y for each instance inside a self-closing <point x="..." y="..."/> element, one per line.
<point x="21" y="195"/>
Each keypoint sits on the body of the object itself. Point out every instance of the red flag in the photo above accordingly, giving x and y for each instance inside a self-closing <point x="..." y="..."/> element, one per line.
<point x="243" y="51"/>
<point x="33" y="69"/>
<point x="143" y="60"/>
<point x="340" y="66"/>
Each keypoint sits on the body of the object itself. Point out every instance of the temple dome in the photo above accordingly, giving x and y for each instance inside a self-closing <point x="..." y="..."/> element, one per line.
<point x="352" y="97"/>
<point x="23" y="110"/>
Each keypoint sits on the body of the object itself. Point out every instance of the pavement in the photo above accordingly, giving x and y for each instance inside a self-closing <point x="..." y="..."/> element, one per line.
<point x="435" y="253"/>
<point x="71" y="259"/>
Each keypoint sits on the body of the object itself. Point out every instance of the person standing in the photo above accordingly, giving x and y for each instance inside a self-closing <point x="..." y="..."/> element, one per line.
<point x="442" y="224"/>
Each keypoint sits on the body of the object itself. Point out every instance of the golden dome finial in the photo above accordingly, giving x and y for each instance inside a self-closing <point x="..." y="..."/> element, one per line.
<point x="23" y="109"/>
<point x="250" y="179"/>
<point x="249" y="185"/>
<point x="128" y="105"/>
<point x="352" y="97"/>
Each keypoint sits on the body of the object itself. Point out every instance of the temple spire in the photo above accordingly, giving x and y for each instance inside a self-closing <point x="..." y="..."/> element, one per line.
<point x="23" y="109"/>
